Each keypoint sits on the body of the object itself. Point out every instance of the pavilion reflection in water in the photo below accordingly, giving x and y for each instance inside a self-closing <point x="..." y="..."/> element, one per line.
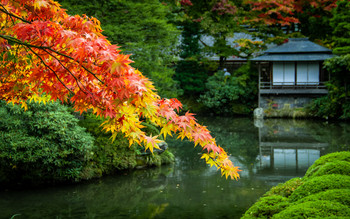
<point x="287" y="147"/>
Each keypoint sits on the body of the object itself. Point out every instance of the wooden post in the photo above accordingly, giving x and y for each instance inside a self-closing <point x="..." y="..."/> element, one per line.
<point x="295" y="74"/>
<point x="259" y="81"/>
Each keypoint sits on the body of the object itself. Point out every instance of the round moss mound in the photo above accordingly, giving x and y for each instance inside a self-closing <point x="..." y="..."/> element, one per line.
<point x="285" y="189"/>
<point x="320" y="184"/>
<point x="266" y="207"/>
<point x="341" y="196"/>
<point x="315" y="209"/>
<point x="337" y="156"/>
<point x="335" y="167"/>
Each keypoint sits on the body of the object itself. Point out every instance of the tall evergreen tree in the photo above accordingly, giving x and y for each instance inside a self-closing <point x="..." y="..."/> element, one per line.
<point x="341" y="28"/>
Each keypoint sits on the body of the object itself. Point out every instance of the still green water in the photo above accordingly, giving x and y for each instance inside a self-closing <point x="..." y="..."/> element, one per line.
<point x="269" y="152"/>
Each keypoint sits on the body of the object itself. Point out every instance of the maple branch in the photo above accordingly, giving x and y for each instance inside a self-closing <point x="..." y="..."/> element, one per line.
<point x="76" y="79"/>
<point x="15" y="40"/>
<point x="50" y="69"/>
<point x="13" y="15"/>
<point x="69" y="57"/>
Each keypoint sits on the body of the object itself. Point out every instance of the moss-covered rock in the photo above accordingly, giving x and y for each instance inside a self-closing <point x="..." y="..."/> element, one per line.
<point x="167" y="157"/>
<point x="320" y="184"/>
<point x="315" y="209"/>
<point x="335" y="167"/>
<point x="338" y="195"/>
<point x="285" y="189"/>
<point x="337" y="156"/>
<point x="266" y="207"/>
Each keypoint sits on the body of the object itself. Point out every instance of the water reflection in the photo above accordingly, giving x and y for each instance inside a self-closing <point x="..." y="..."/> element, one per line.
<point x="268" y="152"/>
<point x="275" y="150"/>
<point x="288" y="146"/>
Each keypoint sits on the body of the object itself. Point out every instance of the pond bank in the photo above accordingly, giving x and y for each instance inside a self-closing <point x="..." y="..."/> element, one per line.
<point x="273" y="153"/>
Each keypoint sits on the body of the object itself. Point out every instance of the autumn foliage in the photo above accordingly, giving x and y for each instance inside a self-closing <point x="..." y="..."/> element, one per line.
<point x="284" y="12"/>
<point x="45" y="54"/>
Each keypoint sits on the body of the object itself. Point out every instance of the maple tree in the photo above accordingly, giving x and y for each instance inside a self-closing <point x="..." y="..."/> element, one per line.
<point x="310" y="17"/>
<point x="46" y="54"/>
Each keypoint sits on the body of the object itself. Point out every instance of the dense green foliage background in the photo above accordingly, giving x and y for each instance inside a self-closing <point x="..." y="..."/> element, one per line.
<point x="336" y="104"/>
<point x="166" y="40"/>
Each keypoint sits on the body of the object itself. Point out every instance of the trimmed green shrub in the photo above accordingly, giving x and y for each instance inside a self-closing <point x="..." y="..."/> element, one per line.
<point x="335" y="167"/>
<point x="320" y="184"/>
<point x="314" y="209"/>
<point x="337" y="156"/>
<point x="231" y="94"/>
<point x="339" y="195"/>
<point x="285" y="189"/>
<point x="266" y="207"/>
<point x="41" y="144"/>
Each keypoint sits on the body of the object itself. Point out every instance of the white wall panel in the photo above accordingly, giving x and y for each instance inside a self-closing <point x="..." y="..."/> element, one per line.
<point x="302" y="73"/>
<point x="289" y="73"/>
<point x="278" y="73"/>
<point x="313" y="72"/>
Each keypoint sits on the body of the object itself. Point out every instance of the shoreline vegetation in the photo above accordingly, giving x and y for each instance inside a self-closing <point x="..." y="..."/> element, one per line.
<point x="47" y="144"/>
<point x="324" y="191"/>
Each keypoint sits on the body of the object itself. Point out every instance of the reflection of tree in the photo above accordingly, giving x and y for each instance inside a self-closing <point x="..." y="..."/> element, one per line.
<point x="132" y="194"/>
<point x="307" y="131"/>
<point x="335" y="134"/>
<point x="287" y="130"/>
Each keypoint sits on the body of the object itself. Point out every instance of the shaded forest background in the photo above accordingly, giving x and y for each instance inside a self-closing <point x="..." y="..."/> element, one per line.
<point x="169" y="43"/>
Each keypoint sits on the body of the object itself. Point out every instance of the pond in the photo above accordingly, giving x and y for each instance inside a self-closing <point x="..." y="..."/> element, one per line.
<point x="268" y="152"/>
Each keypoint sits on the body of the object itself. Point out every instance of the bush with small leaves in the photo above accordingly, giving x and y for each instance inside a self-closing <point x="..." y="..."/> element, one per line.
<point x="231" y="94"/>
<point x="44" y="143"/>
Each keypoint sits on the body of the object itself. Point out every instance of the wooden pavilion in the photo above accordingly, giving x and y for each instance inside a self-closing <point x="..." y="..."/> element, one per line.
<point x="291" y="75"/>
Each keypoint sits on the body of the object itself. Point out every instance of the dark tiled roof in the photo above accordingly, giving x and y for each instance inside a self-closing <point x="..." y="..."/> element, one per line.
<point x="294" y="57"/>
<point x="296" y="49"/>
<point x="298" y="45"/>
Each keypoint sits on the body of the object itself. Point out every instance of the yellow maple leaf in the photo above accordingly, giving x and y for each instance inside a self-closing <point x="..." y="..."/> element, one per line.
<point x="40" y="3"/>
